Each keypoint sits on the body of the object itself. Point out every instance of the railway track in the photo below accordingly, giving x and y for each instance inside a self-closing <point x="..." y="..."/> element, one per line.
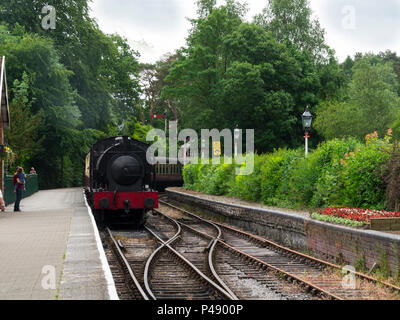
<point x="240" y="278"/>
<point x="129" y="267"/>
<point x="320" y="278"/>
<point x="154" y="270"/>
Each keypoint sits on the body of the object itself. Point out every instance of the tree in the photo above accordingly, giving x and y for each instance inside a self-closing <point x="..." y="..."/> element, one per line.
<point x="374" y="89"/>
<point x="104" y="68"/>
<point x="167" y="101"/>
<point x="235" y="73"/>
<point x="153" y="80"/>
<point x="269" y="83"/>
<point x="193" y="77"/>
<point x="151" y="87"/>
<point x="205" y="7"/>
<point x="290" y="20"/>
<point x="35" y="61"/>
<point x="338" y="119"/>
<point x="371" y="103"/>
<point x="389" y="56"/>
<point x="347" y="68"/>
<point x="24" y="136"/>
<point x="81" y="80"/>
<point x="120" y="69"/>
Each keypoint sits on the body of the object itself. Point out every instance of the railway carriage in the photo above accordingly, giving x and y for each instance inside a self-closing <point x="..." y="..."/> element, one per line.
<point x="168" y="173"/>
<point x="120" y="181"/>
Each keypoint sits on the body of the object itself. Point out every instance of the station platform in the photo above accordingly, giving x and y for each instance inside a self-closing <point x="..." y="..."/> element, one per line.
<point x="52" y="250"/>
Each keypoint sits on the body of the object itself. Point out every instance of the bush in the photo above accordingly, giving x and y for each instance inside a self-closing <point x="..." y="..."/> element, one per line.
<point x="275" y="176"/>
<point x="209" y="178"/>
<point x="314" y="179"/>
<point x="189" y="174"/>
<point x="338" y="173"/>
<point x="249" y="187"/>
<point x="363" y="174"/>
<point x="222" y="179"/>
<point x="328" y="186"/>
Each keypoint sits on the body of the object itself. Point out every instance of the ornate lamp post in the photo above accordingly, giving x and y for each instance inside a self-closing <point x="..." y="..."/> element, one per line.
<point x="307" y="121"/>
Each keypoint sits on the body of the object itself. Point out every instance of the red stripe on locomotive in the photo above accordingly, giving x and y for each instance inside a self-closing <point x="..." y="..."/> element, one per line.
<point x="136" y="200"/>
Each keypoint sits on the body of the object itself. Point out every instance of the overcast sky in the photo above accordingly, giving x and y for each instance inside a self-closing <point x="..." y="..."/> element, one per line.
<point x="156" y="27"/>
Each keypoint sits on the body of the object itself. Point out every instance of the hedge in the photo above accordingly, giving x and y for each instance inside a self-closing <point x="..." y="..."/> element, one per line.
<point x="342" y="172"/>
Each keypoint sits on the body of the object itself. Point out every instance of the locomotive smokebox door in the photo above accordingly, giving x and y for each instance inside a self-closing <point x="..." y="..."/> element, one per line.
<point x="125" y="173"/>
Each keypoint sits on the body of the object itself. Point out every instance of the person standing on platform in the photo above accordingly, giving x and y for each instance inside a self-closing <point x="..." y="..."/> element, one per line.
<point x="20" y="179"/>
<point x="19" y="188"/>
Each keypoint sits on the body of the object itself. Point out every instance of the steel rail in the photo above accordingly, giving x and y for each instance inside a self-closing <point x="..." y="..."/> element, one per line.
<point x="289" y="276"/>
<point x="214" y="242"/>
<point x="260" y="262"/>
<point x="309" y="258"/>
<point x="193" y="267"/>
<point x="292" y="252"/>
<point x="127" y="265"/>
<point x="152" y="256"/>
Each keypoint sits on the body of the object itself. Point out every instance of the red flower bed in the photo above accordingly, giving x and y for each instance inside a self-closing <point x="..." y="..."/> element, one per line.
<point x="359" y="214"/>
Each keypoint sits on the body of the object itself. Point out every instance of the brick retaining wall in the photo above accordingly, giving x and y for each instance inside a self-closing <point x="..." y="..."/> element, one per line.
<point x="324" y="240"/>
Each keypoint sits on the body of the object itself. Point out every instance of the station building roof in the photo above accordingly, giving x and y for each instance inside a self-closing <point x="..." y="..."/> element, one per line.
<point x="4" y="110"/>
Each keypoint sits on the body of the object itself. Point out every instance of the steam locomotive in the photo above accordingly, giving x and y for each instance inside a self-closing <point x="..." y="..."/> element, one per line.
<point x="119" y="180"/>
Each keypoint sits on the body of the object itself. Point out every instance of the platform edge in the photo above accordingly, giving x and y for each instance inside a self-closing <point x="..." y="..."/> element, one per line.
<point x="112" y="291"/>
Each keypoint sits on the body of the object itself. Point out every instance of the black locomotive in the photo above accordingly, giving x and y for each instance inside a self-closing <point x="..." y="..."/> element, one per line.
<point x="119" y="180"/>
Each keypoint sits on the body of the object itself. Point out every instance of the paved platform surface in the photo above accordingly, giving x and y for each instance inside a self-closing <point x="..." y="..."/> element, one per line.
<point x="51" y="251"/>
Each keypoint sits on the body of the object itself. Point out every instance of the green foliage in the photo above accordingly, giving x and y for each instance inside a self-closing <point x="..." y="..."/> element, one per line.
<point x="371" y="103"/>
<point x="314" y="180"/>
<point x="24" y="136"/>
<point x="291" y="20"/>
<point x="374" y="89"/>
<point x="396" y="128"/>
<point x="335" y="119"/>
<point x="130" y="127"/>
<point x="276" y="173"/>
<point x="221" y="179"/>
<point x="211" y="179"/>
<point x="231" y="68"/>
<point x="338" y="173"/>
<point x="248" y="187"/>
<point x="69" y="86"/>
<point x="42" y="88"/>
<point x="362" y="175"/>
<point x="189" y="174"/>
<point x="104" y="67"/>
<point x="392" y="179"/>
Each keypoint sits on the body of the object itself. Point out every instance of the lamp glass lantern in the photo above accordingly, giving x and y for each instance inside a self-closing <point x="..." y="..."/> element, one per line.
<point x="307" y="120"/>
